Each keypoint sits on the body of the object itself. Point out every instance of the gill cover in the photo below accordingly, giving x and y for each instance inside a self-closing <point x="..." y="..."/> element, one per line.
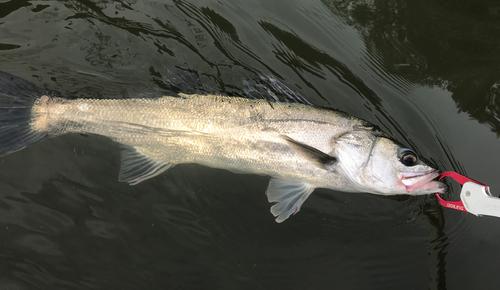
<point x="376" y="164"/>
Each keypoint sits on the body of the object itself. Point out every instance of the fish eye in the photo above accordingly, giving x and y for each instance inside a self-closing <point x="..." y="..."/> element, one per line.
<point x="407" y="157"/>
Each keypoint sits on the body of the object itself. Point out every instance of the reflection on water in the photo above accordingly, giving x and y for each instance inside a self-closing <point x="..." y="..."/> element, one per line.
<point x="418" y="69"/>
<point x="436" y="43"/>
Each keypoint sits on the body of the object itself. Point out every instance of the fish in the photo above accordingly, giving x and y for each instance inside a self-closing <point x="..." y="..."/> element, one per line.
<point x="300" y="146"/>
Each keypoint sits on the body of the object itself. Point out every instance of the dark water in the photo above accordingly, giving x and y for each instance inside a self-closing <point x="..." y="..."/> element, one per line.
<point x="427" y="72"/>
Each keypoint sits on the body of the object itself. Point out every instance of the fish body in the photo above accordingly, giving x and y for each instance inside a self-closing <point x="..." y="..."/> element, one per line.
<point x="302" y="147"/>
<point x="236" y="134"/>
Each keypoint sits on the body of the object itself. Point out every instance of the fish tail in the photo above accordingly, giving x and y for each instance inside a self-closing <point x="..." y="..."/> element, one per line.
<point x="17" y="97"/>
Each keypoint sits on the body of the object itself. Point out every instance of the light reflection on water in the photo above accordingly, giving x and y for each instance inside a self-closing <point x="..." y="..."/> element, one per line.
<point x="67" y="223"/>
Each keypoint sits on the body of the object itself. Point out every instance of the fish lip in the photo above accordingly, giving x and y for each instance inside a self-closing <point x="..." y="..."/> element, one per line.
<point x="415" y="180"/>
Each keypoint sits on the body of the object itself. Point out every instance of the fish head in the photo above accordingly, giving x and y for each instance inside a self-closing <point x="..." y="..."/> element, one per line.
<point x="374" y="163"/>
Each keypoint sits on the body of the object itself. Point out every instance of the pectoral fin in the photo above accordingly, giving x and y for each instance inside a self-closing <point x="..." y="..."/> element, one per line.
<point x="137" y="167"/>
<point x="289" y="195"/>
<point x="320" y="159"/>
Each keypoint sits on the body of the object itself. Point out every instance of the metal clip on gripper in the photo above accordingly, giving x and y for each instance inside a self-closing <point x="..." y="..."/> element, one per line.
<point x="475" y="197"/>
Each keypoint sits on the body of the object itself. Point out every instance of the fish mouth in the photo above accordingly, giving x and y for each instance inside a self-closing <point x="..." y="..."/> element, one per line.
<point x="422" y="182"/>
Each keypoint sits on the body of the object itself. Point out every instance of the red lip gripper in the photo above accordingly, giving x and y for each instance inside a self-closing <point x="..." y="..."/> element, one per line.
<point x="475" y="197"/>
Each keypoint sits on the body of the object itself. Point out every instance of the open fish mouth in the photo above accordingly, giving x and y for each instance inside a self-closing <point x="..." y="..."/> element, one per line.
<point x="413" y="181"/>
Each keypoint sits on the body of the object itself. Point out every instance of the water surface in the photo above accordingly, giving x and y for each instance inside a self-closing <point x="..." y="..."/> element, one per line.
<point x="426" y="72"/>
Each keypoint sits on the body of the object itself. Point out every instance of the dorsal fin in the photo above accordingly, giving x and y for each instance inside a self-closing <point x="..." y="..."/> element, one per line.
<point x="136" y="167"/>
<point x="181" y="80"/>
<point x="271" y="89"/>
<point x="187" y="81"/>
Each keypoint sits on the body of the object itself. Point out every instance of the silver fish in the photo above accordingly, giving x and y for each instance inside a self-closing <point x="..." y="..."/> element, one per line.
<point x="302" y="147"/>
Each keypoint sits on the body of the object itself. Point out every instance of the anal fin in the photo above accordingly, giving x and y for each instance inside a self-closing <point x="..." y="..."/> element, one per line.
<point x="289" y="195"/>
<point x="136" y="167"/>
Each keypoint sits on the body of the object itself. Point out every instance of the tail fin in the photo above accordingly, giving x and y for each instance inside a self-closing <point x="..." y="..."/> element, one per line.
<point x="17" y="97"/>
